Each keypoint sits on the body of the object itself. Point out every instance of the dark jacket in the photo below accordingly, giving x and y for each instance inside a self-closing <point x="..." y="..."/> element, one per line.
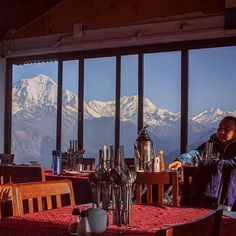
<point x="219" y="151"/>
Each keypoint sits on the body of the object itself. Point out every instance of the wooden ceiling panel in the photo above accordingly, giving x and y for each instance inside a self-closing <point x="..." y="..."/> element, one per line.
<point x="95" y="14"/>
<point x="15" y="14"/>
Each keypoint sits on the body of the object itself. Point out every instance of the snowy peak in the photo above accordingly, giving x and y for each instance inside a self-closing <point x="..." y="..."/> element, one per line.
<point x="97" y="109"/>
<point x="149" y="106"/>
<point x="35" y="91"/>
<point x="211" y="116"/>
<point x="69" y="99"/>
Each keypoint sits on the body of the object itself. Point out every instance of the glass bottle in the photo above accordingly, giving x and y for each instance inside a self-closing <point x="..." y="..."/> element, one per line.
<point x="156" y="164"/>
<point x="162" y="162"/>
<point x="74" y="224"/>
<point x="84" y="228"/>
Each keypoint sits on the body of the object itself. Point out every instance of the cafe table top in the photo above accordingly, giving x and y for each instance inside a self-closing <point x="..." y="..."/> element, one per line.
<point x="147" y="219"/>
<point x="68" y="174"/>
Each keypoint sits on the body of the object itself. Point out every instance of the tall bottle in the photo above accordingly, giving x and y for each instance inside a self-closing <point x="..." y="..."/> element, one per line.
<point x="161" y="160"/>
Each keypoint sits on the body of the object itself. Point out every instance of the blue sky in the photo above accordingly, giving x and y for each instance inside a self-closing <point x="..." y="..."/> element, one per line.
<point x="212" y="80"/>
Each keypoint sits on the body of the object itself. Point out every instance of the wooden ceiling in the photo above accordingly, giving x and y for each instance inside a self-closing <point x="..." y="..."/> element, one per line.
<point x="15" y="14"/>
<point x="25" y="19"/>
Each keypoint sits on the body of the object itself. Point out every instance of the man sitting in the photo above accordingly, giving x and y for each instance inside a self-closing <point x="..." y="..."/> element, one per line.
<point x="215" y="180"/>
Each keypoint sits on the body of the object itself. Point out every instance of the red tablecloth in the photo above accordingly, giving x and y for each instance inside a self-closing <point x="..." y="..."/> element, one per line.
<point x="81" y="186"/>
<point x="146" y="220"/>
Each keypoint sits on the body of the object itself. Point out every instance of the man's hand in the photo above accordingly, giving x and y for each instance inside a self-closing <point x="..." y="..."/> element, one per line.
<point x="175" y="165"/>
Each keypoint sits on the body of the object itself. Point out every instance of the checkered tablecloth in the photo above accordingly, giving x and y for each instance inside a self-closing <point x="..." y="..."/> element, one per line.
<point x="146" y="220"/>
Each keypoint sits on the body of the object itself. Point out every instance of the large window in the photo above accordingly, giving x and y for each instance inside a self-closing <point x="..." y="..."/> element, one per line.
<point x="212" y="87"/>
<point x="34" y="108"/>
<point x="99" y="104"/>
<point x="69" y="103"/>
<point x="129" y="103"/>
<point x="161" y="111"/>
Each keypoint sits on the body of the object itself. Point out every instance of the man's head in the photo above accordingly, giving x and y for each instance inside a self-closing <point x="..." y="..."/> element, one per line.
<point x="226" y="131"/>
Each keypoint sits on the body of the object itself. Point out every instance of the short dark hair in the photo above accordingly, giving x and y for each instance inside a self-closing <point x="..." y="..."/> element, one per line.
<point x="229" y="118"/>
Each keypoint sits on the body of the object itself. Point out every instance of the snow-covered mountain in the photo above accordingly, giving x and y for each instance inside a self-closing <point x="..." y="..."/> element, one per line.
<point x="212" y="116"/>
<point x="34" y="121"/>
<point x="36" y="91"/>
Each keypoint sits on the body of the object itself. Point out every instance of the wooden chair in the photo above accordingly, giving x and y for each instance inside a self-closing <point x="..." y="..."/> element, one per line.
<point x="208" y="225"/>
<point x="6" y="159"/>
<point x="41" y="196"/>
<point x="21" y="174"/>
<point x="8" y="200"/>
<point x="88" y="164"/>
<point x="186" y="179"/>
<point x="157" y="178"/>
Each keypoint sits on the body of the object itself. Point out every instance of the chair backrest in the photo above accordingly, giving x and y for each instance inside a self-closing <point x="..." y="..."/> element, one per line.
<point x="21" y="174"/>
<point x="41" y="196"/>
<point x="88" y="163"/>
<point x="157" y="178"/>
<point x="208" y="225"/>
<point x="129" y="162"/>
<point x="8" y="202"/>
<point x="6" y="159"/>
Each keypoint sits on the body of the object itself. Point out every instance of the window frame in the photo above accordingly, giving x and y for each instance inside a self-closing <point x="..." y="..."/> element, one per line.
<point x="183" y="47"/>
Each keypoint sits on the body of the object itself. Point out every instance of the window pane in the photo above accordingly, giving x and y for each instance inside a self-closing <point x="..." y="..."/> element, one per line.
<point x="162" y="76"/>
<point x="99" y="105"/>
<point x="69" y="103"/>
<point x="129" y="103"/>
<point x="212" y="87"/>
<point x="34" y="108"/>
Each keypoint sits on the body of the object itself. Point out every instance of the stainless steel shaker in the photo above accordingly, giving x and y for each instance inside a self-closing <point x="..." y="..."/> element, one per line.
<point x="144" y="151"/>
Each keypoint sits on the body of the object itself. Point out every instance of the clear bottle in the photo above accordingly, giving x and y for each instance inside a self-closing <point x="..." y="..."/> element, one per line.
<point x="156" y="164"/>
<point x="161" y="160"/>
<point x="84" y="228"/>
<point x="74" y="224"/>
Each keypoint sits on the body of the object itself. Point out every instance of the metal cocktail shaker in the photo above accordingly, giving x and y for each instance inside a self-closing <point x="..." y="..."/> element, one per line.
<point x="144" y="151"/>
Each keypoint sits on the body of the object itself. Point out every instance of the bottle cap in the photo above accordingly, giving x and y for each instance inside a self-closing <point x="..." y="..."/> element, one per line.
<point x="84" y="213"/>
<point x="56" y="153"/>
<point x="76" y="211"/>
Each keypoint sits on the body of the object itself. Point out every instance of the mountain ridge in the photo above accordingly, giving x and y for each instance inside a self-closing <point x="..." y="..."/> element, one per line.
<point x="42" y="90"/>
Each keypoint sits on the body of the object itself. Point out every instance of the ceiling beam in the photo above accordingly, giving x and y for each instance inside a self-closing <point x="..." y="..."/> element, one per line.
<point x="171" y="30"/>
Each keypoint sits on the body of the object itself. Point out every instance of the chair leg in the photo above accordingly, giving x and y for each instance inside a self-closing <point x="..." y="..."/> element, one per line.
<point x="175" y="189"/>
<point x="138" y="193"/>
<point x="149" y="193"/>
<point x="160" y="193"/>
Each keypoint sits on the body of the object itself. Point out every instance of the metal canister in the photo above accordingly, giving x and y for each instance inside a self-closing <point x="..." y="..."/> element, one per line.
<point x="56" y="161"/>
<point x="144" y="151"/>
